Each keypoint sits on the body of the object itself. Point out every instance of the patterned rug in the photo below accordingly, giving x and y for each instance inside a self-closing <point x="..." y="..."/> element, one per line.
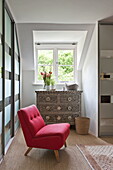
<point x="99" y="157"/>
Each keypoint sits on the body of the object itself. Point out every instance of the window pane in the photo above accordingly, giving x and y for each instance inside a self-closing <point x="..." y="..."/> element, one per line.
<point x="17" y="82"/>
<point x="42" y="68"/>
<point x="8" y="80"/>
<point x="0" y="61"/>
<point x="65" y="73"/>
<point x="1" y="81"/>
<point x="16" y="45"/>
<point x="45" y="57"/>
<point x="0" y="134"/>
<point x="7" y="123"/>
<point x="1" y="16"/>
<point x="65" y="57"/>
<point x="7" y="29"/>
<point x="16" y="117"/>
<point x="7" y="62"/>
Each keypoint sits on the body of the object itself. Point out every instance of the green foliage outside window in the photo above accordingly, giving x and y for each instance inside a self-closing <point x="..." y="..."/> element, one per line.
<point x="45" y="57"/>
<point x="65" y="64"/>
<point x="65" y="69"/>
<point x="65" y="57"/>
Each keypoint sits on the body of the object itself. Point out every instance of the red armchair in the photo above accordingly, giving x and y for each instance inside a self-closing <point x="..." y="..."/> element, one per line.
<point x="39" y="135"/>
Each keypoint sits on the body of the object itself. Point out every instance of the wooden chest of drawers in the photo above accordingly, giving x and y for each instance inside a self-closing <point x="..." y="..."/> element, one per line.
<point x="59" y="106"/>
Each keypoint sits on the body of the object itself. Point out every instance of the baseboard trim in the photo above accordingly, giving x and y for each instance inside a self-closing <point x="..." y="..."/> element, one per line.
<point x="91" y="133"/>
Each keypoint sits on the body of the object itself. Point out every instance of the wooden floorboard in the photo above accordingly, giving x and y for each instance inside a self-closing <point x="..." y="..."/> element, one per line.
<point x="108" y="139"/>
<point x="43" y="159"/>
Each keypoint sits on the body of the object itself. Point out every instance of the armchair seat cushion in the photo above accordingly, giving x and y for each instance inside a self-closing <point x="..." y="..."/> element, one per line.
<point x="52" y="136"/>
<point x="60" y="129"/>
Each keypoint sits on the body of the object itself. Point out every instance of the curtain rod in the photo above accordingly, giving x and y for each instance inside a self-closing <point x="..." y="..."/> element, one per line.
<point x="55" y="43"/>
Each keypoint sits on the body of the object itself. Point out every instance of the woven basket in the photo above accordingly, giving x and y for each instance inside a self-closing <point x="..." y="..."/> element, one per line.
<point x="82" y="125"/>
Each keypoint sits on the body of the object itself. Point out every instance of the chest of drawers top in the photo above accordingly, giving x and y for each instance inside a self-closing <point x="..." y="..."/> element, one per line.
<point x="53" y="92"/>
<point x="57" y="96"/>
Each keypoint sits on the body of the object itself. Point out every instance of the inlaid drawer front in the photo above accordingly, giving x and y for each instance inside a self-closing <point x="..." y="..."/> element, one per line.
<point x="59" y="108"/>
<point x="58" y="118"/>
<point x="68" y="118"/>
<point x="47" y="98"/>
<point x="47" y="108"/>
<point x="50" y="108"/>
<point x="61" y="118"/>
<point x="69" y="98"/>
<point x="49" y="118"/>
<point x="68" y="108"/>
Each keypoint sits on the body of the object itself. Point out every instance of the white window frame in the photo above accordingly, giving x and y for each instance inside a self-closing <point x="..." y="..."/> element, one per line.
<point x="55" y="49"/>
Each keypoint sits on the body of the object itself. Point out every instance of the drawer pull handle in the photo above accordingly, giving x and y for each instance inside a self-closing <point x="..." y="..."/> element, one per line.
<point x="58" y="108"/>
<point x="69" y="108"/>
<point x="69" y="117"/>
<point x="47" y="108"/>
<point x="47" y="99"/>
<point x="47" y="117"/>
<point x="69" y="99"/>
<point x="58" y="117"/>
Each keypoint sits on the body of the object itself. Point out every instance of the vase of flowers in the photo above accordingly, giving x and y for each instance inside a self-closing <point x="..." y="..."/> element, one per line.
<point x="52" y="84"/>
<point x="47" y="79"/>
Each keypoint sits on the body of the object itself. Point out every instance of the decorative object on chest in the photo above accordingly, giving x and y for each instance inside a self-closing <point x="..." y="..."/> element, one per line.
<point x="59" y="106"/>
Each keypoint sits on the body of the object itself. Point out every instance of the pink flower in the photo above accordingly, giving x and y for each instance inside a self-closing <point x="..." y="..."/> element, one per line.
<point x="43" y="76"/>
<point x="42" y="73"/>
<point x="48" y="75"/>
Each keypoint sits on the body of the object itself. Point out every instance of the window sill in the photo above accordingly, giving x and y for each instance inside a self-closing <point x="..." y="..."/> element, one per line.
<point x="41" y="84"/>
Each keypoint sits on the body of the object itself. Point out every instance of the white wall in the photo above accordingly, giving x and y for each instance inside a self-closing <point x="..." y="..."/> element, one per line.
<point x="80" y="47"/>
<point x="25" y="34"/>
<point x="90" y="84"/>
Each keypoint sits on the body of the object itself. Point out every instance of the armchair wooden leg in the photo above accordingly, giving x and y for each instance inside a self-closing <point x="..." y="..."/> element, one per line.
<point x="65" y="144"/>
<point x="57" y="155"/>
<point x="28" y="150"/>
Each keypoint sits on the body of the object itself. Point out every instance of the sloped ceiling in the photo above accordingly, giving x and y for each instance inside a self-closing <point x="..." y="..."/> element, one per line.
<point x="60" y="11"/>
<point x="77" y="37"/>
<point x="25" y="32"/>
<point x="58" y="36"/>
<point x="108" y="19"/>
<point x="82" y="13"/>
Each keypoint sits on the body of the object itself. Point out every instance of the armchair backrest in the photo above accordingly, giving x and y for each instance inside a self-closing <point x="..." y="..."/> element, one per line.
<point x="31" y="121"/>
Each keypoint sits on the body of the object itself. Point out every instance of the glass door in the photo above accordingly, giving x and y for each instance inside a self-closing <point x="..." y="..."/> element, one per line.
<point x="16" y="80"/>
<point x="8" y="79"/>
<point x="1" y="81"/>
